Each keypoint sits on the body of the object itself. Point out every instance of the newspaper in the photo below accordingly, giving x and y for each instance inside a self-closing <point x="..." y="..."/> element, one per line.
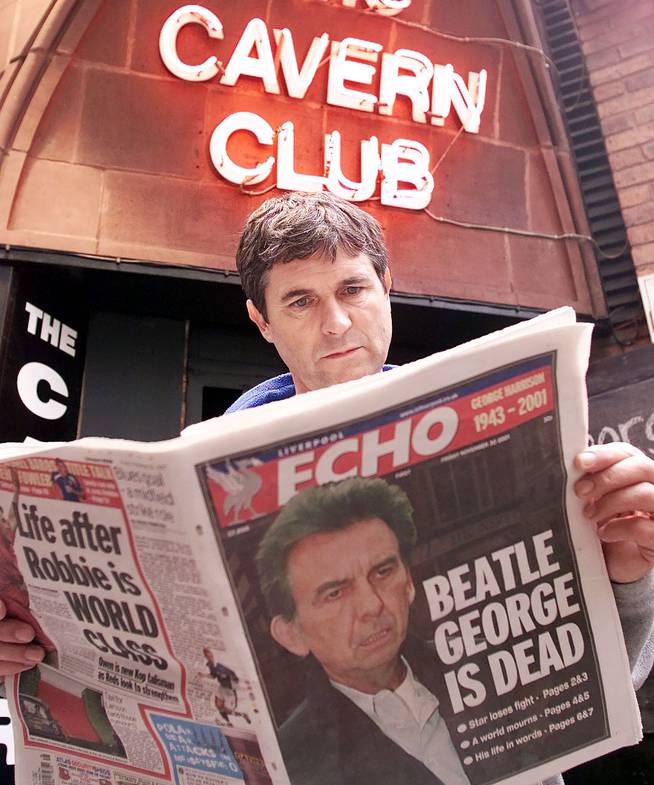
<point x="475" y="597"/>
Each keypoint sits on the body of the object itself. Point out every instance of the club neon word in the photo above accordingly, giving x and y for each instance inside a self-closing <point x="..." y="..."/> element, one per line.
<point x="432" y="89"/>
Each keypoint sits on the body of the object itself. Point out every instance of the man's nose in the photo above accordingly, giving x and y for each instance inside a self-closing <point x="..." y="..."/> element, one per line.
<point x="368" y="601"/>
<point x="335" y="318"/>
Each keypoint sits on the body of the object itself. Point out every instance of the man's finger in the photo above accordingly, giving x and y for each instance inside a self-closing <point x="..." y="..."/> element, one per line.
<point x="12" y="668"/>
<point x="623" y="502"/>
<point x="15" y="631"/>
<point x="624" y="473"/>
<point x="637" y="528"/>
<point x="601" y="456"/>
<point x="19" y="654"/>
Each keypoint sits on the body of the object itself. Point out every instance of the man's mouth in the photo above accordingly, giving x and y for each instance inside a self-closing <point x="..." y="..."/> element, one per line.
<point x="343" y="353"/>
<point x="375" y="638"/>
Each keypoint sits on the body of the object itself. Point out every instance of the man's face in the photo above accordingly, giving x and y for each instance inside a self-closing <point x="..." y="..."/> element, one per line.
<point x="330" y="322"/>
<point x="61" y="467"/>
<point x="352" y="593"/>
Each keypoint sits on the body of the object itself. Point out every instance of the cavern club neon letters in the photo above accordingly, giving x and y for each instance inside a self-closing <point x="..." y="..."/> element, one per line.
<point x="433" y="91"/>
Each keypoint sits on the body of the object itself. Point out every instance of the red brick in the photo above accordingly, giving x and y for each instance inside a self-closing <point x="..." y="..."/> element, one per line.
<point x="106" y="38"/>
<point x="638" y="214"/>
<point x="465" y="18"/>
<point x="618" y="35"/>
<point x="616" y="124"/>
<point x="484" y="183"/>
<point x="593" y="27"/>
<point x="620" y="70"/>
<point x="56" y="136"/>
<point x="595" y="6"/>
<point x="542" y="267"/>
<point x="429" y="257"/>
<point x="543" y="213"/>
<point x="624" y="10"/>
<point x="135" y="122"/>
<point x="626" y="101"/>
<point x="640" y="80"/>
<point x="642" y="173"/>
<point x="630" y="197"/>
<point x="643" y="233"/>
<point x="608" y="90"/>
<point x="58" y="199"/>
<point x="643" y="254"/>
<point x="626" y="158"/>
<point x="515" y="121"/>
<point x="640" y="43"/>
<point x="631" y="138"/>
<point x="648" y="149"/>
<point x="144" y="210"/>
<point x="643" y="115"/>
<point x="602" y="59"/>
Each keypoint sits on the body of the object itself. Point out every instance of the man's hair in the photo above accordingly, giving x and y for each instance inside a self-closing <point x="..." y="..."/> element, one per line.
<point x="299" y="225"/>
<point x="326" y="508"/>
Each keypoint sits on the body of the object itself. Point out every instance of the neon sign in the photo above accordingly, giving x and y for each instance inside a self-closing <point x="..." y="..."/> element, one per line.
<point x="434" y="91"/>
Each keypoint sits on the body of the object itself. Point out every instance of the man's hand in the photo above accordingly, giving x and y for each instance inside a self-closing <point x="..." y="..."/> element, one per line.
<point x="17" y="653"/>
<point x="618" y="488"/>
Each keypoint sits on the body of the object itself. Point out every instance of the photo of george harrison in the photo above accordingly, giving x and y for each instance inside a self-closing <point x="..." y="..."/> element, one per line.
<point x="333" y="569"/>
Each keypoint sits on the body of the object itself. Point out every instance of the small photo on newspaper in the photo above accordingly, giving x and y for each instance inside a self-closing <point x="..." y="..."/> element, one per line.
<point x="409" y="588"/>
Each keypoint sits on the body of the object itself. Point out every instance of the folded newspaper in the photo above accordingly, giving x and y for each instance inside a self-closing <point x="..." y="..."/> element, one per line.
<point x="389" y="581"/>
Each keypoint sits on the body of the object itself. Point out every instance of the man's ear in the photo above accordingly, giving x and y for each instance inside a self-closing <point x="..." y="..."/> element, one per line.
<point x="257" y="317"/>
<point x="388" y="281"/>
<point x="287" y="634"/>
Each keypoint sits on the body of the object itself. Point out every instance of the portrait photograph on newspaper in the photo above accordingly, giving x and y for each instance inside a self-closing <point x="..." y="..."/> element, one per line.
<point x="408" y="584"/>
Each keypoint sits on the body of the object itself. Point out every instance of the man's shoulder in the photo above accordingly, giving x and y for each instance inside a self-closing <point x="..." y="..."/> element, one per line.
<point x="310" y="748"/>
<point x="276" y="389"/>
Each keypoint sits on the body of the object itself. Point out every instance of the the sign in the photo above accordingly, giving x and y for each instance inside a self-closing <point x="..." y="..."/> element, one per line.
<point x="44" y="360"/>
<point x="403" y="167"/>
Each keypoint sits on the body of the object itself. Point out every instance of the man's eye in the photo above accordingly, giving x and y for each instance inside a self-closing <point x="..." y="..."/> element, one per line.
<point x="334" y="594"/>
<point x="385" y="570"/>
<point x="300" y="303"/>
<point x="353" y="290"/>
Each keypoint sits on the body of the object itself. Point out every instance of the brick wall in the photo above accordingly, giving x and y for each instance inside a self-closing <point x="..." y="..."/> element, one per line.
<point x="618" y="40"/>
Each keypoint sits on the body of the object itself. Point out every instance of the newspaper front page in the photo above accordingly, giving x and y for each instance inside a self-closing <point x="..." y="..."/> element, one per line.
<point x="388" y="581"/>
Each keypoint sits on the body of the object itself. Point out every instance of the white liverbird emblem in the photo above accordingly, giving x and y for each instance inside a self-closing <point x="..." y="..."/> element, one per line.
<point x="240" y="484"/>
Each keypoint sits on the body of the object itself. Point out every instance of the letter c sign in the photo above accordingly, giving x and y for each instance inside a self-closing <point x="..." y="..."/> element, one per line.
<point x="27" y="382"/>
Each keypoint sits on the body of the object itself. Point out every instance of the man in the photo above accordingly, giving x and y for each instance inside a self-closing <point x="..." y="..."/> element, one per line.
<point x="69" y="486"/>
<point x="225" y="696"/>
<point x="334" y="571"/>
<point x="314" y="270"/>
